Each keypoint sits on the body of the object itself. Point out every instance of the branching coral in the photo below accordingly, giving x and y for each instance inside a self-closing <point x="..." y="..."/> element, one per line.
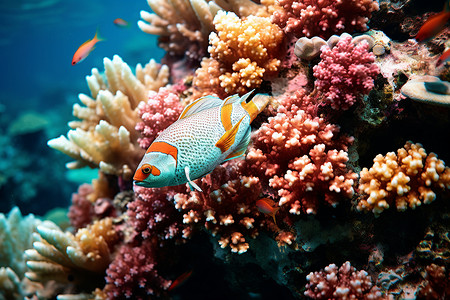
<point x="323" y="18"/>
<point x="161" y="110"/>
<point x="105" y="136"/>
<point x="10" y="287"/>
<point x="341" y="283"/>
<point x="246" y="49"/>
<point x="436" y="284"/>
<point x="304" y="160"/>
<point x="184" y="26"/>
<point x="63" y="257"/>
<point x="81" y="211"/>
<point x="226" y="207"/>
<point x="133" y="274"/>
<point x="345" y="73"/>
<point x="406" y="179"/>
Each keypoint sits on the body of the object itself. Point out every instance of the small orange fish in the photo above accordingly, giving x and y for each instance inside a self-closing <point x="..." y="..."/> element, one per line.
<point x="180" y="279"/>
<point x="267" y="206"/>
<point x="443" y="58"/>
<point x="121" y="22"/>
<point x="434" y="25"/>
<point x="84" y="50"/>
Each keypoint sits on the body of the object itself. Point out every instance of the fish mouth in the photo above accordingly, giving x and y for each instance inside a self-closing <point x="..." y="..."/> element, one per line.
<point x="139" y="183"/>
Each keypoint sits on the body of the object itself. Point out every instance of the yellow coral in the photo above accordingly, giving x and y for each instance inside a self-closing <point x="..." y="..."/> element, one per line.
<point x="105" y="137"/>
<point x="408" y="179"/>
<point x="63" y="257"/>
<point x="247" y="48"/>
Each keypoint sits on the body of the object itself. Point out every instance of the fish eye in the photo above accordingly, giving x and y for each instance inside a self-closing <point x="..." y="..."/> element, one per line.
<point x="146" y="169"/>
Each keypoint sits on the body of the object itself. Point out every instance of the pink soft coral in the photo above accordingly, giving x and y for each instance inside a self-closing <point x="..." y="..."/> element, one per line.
<point x="345" y="72"/>
<point x="303" y="159"/>
<point x="341" y="283"/>
<point x="133" y="274"/>
<point x="323" y="18"/>
<point x="161" y="110"/>
<point x="153" y="214"/>
<point x="81" y="212"/>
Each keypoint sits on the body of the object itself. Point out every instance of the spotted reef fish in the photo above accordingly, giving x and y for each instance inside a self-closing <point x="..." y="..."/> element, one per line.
<point x="208" y="132"/>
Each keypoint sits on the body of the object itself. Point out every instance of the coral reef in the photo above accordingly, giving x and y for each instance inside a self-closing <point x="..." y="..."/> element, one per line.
<point x="323" y="18"/>
<point x="341" y="283"/>
<point x="436" y="283"/>
<point x="407" y="179"/>
<point x="345" y="73"/>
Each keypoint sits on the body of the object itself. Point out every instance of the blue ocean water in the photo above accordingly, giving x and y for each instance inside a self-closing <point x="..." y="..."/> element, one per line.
<point x="37" y="43"/>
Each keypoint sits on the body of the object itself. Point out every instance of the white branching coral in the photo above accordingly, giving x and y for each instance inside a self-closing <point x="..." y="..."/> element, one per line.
<point x="105" y="136"/>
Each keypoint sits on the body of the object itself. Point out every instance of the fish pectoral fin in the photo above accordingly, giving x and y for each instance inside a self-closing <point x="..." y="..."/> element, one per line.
<point x="192" y="185"/>
<point x="199" y="105"/>
<point x="241" y="147"/>
<point x="228" y="139"/>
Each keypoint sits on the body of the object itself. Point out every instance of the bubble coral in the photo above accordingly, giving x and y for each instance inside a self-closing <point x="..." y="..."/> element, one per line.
<point x="406" y="179"/>
<point x="323" y="18"/>
<point x="341" y="283"/>
<point x="345" y="73"/>
<point x="303" y="158"/>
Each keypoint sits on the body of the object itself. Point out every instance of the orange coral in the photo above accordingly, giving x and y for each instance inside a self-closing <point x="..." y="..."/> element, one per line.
<point x="246" y="49"/>
<point x="406" y="179"/>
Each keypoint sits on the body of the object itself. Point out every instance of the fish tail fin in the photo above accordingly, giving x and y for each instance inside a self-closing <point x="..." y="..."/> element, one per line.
<point x="97" y="36"/>
<point x="447" y="6"/>
<point x="256" y="105"/>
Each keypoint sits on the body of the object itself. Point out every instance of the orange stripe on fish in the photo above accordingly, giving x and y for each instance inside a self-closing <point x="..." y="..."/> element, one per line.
<point x="163" y="147"/>
<point x="228" y="138"/>
<point x="251" y="108"/>
<point x="225" y="116"/>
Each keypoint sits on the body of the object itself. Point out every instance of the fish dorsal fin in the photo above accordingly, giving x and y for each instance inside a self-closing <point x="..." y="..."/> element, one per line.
<point x="199" y="105"/>
<point x="228" y="138"/>
<point x="241" y="147"/>
<point x="192" y="185"/>
<point x="245" y="97"/>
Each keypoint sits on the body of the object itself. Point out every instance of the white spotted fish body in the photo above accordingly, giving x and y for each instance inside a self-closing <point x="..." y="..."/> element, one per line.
<point x="208" y="132"/>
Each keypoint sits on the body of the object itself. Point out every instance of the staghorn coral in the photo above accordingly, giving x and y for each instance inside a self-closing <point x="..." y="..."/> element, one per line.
<point x="133" y="274"/>
<point x="184" y="26"/>
<point x="341" y="283"/>
<point x="161" y="110"/>
<point x="105" y="136"/>
<point x="81" y="258"/>
<point x="323" y="18"/>
<point x="226" y="207"/>
<point x="304" y="160"/>
<point x="345" y="73"/>
<point x="406" y="179"/>
<point x="247" y="51"/>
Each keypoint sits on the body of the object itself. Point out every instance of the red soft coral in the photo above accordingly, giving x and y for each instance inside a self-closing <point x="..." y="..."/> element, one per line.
<point x="345" y="72"/>
<point x="81" y="212"/>
<point x="323" y="18"/>
<point x="161" y="110"/>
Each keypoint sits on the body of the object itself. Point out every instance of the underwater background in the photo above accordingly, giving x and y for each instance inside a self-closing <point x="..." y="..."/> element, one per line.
<point x="343" y="191"/>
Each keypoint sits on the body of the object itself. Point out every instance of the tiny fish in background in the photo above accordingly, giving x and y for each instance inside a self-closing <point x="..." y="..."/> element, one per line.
<point x="268" y="207"/>
<point x="86" y="48"/>
<point x="443" y="58"/>
<point x="434" y="25"/>
<point x="180" y="280"/>
<point x="208" y="132"/>
<point x="121" y="22"/>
